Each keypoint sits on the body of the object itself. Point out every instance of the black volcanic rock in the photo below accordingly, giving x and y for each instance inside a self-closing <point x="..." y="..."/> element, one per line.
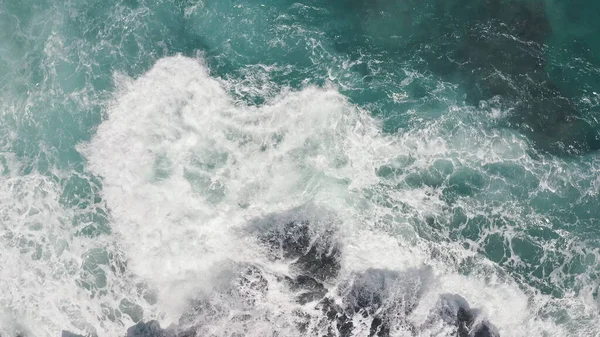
<point x="379" y="301"/>
<point x="312" y="254"/>
<point x="149" y="329"/>
<point x="455" y="311"/>
<point x="308" y="288"/>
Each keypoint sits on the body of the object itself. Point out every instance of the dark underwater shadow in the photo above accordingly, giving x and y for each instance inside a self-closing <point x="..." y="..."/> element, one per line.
<point x="493" y="49"/>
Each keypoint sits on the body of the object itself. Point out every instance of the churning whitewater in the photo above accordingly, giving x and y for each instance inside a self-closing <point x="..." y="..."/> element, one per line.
<point x="194" y="178"/>
<point x="282" y="168"/>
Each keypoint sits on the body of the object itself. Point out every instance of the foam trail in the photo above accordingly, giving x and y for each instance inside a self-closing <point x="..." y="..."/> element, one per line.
<point x="186" y="168"/>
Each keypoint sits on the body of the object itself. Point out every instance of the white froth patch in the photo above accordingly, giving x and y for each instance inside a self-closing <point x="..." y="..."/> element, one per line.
<point x="496" y="299"/>
<point x="183" y="165"/>
<point x="40" y="261"/>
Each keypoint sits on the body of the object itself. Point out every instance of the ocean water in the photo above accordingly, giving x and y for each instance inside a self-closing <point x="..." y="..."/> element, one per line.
<point x="448" y="148"/>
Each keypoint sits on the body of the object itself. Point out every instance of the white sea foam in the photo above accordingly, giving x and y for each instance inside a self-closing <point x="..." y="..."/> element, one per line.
<point x="40" y="260"/>
<point x="186" y="167"/>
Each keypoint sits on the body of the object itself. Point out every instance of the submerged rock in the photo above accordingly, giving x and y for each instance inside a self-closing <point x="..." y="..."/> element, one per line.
<point x="308" y="288"/>
<point x="312" y="254"/>
<point x="149" y="329"/>
<point x="231" y="302"/>
<point x="66" y="333"/>
<point x="455" y="311"/>
<point x="378" y="301"/>
<point x="337" y="318"/>
<point x="381" y="301"/>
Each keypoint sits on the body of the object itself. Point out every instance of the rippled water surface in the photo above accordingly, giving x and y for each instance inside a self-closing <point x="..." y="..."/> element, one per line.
<point x="234" y="168"/>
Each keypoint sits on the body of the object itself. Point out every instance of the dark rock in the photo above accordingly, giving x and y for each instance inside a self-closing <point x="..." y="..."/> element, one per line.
<point x="336" y="317"/>
<point x="385" y="299"/>
<point x="314" y="255"/>
<point x="373" y="294"/>
<point x="309" y="289"/>
<point x="376" y="289"/>
<point x="149" y="329"/>
<point x="293" y="239"/>
<point x="464" y="321"/>
<point x="379" y="328"/>
<point x="381" y="298"/>
<point x="153" y="329"/>
<point x="237" y="289"/>
<point x="249" y="284"/>
<point x="66" y="333"/>
<point x="455" y="311"/>
<point x="322" y="265"/>
<point x="484" y="330"/>
<point x="302" y="320"/>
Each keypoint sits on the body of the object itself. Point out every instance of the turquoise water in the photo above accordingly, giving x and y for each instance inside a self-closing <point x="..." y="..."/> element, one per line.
<point x="138" y="138"/>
